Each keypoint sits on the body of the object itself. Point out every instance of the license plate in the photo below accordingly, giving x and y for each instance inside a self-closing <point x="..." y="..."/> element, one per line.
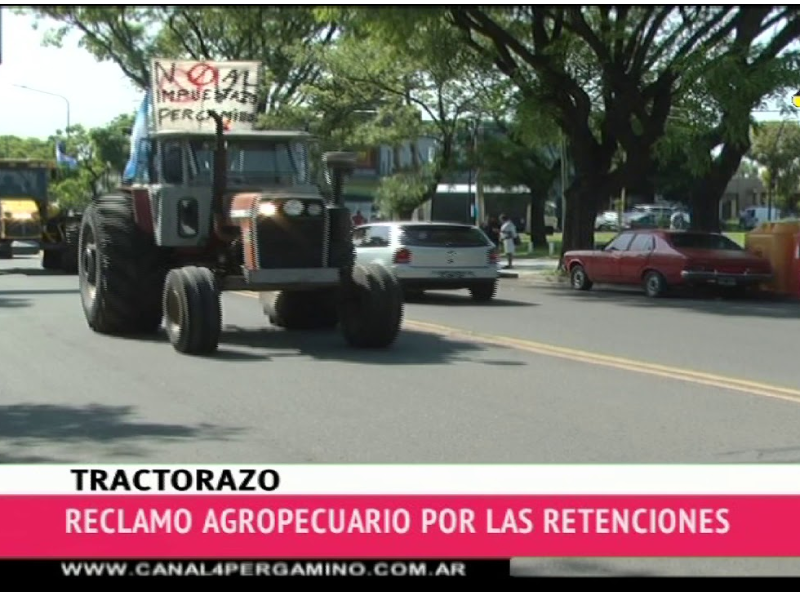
<point x="727" y="281"/>
<point x="454" y="274"/>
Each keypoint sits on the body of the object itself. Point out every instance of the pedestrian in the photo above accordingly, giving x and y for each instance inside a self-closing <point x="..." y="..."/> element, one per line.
<point x="508" y="235"/>
<point x="358" y="219"/>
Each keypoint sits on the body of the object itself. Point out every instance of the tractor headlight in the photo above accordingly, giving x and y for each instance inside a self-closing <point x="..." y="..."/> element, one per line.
<point x="267" y="209"/>
<point x="293" y="208"/>
<point x="315" y="210"/>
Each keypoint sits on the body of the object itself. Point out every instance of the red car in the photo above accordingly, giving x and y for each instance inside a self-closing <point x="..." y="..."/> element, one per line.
<point x="659" y="260"/>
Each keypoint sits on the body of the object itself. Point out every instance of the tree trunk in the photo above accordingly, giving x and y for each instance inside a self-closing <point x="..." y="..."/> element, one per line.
<point x="708" y="191"/>
<point x="582" y="207"/>
<point x="538" y="233"/>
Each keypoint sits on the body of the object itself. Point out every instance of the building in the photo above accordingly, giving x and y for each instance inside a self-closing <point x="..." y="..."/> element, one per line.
<point x="742" y="192"/>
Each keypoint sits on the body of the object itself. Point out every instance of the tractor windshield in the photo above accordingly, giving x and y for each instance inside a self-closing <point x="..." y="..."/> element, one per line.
<point x="254" y="162"/>
<point x="23" y="182"/>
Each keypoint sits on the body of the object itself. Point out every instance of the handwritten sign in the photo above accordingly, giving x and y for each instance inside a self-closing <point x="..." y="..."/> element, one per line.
<point x="185" y="90"/>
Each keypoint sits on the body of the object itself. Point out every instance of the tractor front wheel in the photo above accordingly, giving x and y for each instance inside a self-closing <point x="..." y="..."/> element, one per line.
<point x="192" y="310"/>
<point x="371" y="307"/>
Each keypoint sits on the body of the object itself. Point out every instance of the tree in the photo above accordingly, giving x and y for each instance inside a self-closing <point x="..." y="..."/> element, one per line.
<point x="519" y="151"/>
<point x="644" y="59"/>
<point x="16" y="147"/>
<point x="284" y="39"/>
<point x="776" y="146"/>
<point x="417" y="82"/>
<point x="102" y="153"/>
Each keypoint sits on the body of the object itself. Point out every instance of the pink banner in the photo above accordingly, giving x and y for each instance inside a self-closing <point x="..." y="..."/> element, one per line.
<point x="78" y="526"/>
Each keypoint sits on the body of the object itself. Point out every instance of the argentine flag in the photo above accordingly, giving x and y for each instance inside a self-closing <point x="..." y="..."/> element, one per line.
<point x="62" y="159"/>
<point x="140" y="127"/>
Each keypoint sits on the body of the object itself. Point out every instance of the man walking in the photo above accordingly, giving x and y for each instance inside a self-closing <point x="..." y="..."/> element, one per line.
<point x="508" y="235"/>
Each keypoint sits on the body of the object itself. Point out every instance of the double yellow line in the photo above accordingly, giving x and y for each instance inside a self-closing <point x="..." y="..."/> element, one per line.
<point x="604" y="360"/>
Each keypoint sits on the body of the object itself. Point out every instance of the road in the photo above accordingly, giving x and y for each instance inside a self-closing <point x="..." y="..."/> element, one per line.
<point x="68" y="394"/>
<point x="546" y="376"/>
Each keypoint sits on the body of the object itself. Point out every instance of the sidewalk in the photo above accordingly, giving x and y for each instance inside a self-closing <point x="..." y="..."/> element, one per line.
<point x="529" y="267"/>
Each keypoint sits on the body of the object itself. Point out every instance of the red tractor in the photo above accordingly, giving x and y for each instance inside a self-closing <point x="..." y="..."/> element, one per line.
<point x="215" y="211"/>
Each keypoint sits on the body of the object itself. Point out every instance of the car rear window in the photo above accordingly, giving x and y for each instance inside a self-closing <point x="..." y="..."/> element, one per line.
<point x="442" y="235"/>
<point x="703" y="242"/>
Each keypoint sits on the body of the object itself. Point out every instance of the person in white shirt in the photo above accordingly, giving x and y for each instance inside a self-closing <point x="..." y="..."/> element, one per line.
<point x="678" y="220"/>
<point x="508" y="235"/>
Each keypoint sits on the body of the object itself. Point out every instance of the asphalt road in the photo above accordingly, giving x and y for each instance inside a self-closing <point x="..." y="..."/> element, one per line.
<point x="68" y="394"/>
<point x="439" y="396"/>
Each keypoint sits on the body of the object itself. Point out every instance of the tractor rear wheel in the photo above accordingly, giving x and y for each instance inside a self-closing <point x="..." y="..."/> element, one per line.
<point x="51" y="260"/>
<point x="120" y="270"/>
<point x="302" y="309"/>
<point x="69" y="256"/>
<point x="371" y="307"/>
<point x="192" y="310"/>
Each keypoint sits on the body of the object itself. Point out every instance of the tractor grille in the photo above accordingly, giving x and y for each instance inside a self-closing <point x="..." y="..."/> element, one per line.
<point x="291" y="242"/>
<point x="21" y="229"/>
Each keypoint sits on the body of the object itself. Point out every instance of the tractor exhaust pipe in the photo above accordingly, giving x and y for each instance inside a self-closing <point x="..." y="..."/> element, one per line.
<point x="338" y="165"/>
<point x="219" y="183"/>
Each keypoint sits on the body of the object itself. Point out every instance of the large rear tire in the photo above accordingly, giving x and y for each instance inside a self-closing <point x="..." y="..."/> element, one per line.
<point x="371" y="307"/>
<point x="120" y="270"/>
<point x="69" y="256"/>
<point x="51" y="260"/>
<point x="192" y="310"/>
<point x="302" y="309"/>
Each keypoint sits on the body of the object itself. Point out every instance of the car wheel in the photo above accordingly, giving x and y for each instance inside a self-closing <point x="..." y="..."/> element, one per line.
<point x="654" y="284"/>
<point x="580" y="280"/>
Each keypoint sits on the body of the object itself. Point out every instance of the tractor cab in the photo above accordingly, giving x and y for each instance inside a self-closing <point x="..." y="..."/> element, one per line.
<point x="193" y="185"/>
<point x="253" y="158"/>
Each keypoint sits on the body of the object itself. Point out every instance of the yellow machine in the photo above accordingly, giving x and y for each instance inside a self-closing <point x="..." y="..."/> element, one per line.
<point x="27" y="216"/>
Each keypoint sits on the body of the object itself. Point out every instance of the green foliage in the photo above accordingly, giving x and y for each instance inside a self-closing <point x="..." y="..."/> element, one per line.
<point x="285" y="39"/>
<point x="776" y="146"/>
<point x="399" y="194"/>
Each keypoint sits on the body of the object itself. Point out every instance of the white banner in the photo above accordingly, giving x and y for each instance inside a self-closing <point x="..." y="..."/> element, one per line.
<point x="184" y="91"/>
<point x="401" y="479"/>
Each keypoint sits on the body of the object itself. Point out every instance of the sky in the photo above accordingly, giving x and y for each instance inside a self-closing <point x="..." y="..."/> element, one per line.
<point x="97" y="92"/>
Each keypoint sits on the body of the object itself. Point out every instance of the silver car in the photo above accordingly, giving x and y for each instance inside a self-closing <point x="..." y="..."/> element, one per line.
<point x="431" y="256"/>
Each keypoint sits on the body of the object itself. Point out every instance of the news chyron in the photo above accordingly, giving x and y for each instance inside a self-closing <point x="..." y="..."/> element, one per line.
<point x="252" y="481"/>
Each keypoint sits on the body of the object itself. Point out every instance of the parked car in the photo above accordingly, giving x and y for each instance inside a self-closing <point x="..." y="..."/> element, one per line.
<point x="647" y="216"/>
<point x="607" y="221"/>
<point x="659" y="260"/>
<point x="432" y="256"/>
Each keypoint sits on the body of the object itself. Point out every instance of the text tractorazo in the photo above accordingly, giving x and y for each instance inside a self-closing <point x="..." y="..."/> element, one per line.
<point x="178" y="480"/>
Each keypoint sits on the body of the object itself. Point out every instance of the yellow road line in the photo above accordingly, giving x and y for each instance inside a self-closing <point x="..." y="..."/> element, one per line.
<point x="605" y="360"/>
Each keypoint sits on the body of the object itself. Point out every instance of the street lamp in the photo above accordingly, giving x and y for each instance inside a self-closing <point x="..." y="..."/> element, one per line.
<point x="64" y="98"/>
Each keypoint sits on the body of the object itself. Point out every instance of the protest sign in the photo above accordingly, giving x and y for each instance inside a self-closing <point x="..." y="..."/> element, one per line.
<point x="184" y="91"/>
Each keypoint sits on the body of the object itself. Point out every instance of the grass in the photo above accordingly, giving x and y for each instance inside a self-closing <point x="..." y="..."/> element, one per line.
<point x="600" y="237"/>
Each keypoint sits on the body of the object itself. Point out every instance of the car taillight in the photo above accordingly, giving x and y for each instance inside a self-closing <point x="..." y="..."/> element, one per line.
<point x="402" y="256"/>
<point x="492" y="254"/>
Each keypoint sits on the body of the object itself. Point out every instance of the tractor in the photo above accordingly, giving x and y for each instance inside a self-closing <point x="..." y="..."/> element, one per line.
<point x="27" y="215"/>
<point x="218" y="210"/>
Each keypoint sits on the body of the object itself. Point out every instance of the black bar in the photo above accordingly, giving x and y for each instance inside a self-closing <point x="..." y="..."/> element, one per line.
<point x="250" y="568"/>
